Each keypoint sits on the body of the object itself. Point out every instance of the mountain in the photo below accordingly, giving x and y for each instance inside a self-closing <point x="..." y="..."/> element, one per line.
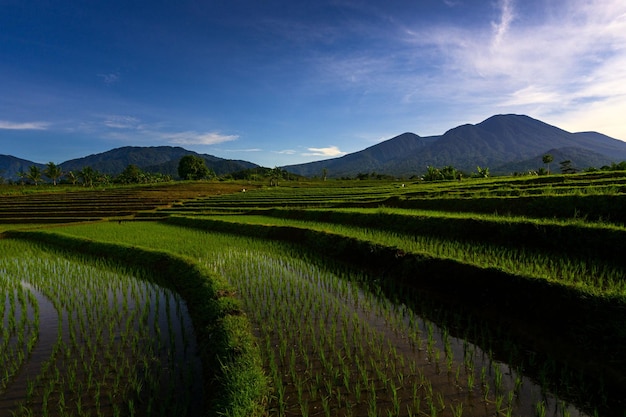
<point x="162" y="159"/>
<point x="10" y="166"/>
<point x="496" y="143"/>
<point x="503" y="143"/>
<point x="365" y="161"/>
<point x="581" y="159"/>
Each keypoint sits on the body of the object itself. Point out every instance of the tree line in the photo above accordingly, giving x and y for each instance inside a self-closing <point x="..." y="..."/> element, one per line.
<point x="191" y="167"/>
<point x="87" y="176"/>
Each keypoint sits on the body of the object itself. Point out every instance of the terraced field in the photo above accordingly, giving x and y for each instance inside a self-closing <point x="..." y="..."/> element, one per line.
<point x="502" y="296"/>
<point x="31" y="206"/>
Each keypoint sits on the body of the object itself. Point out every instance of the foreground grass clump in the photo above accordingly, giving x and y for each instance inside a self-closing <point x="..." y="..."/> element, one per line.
<point x="234" y="383"/>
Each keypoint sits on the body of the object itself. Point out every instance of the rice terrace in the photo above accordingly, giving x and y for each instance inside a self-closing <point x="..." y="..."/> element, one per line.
<point x="501" y="296"/>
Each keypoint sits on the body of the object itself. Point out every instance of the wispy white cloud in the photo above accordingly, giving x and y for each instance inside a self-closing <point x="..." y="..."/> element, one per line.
<point x="244" y="150"/>
<point x="553" y="61"/>
<point x="506" y="17"/>
<point x="109" y="78"/>
<point x="4" y="124"/>
<point x="532" y="94"/>
<point x="121" y="122"/>
<point x="331" y="151"/>
<point x="132" y="129"/>
<point x="197" y="138"/>
<point x="286" y="152"/>
<point x="564" y="60"/>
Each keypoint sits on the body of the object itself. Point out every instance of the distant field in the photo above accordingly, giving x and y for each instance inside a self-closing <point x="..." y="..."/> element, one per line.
<point x="499" y="296"/>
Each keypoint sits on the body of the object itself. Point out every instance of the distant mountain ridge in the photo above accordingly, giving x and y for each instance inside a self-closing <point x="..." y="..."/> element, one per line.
<point x="500" y="143"/>
<point x="503" y="143"/>
<point x="162" y="159"/>
<point x="11" y="165"/>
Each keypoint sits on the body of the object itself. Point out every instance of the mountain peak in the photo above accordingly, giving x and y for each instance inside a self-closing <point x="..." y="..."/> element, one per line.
<point x="162" y="159"/>
<point x="496" y="141"/>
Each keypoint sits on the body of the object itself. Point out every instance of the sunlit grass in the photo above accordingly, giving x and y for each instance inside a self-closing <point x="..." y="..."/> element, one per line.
<point x="592" y="276"/>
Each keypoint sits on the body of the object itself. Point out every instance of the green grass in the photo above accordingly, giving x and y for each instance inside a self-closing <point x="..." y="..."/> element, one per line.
<point x="594" y="277"/>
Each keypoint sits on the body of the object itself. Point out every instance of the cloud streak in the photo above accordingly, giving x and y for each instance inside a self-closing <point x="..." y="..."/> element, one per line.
<point x="110" y="78"/>
<point x="329" y="152"/>
<point x="550" y="65"/>
<point x="6" y="125"/>
<point x="121" y="122"/>
<point x="506" y="17"/>
<point x="197" y="138"/>
<point x="128" y="128"/>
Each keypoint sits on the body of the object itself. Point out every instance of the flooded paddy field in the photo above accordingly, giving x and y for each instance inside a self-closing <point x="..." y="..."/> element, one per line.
<point x="332" y="347"/>
<point x="82" y="338"/>
<point x="418" y="313"/>
<point x="334" y="341"/>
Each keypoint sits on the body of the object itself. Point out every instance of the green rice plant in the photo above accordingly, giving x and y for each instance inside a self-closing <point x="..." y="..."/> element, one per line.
<point x="457" y="411"/>
<point x="540" y="409"/>
<point x="596" y="277"/>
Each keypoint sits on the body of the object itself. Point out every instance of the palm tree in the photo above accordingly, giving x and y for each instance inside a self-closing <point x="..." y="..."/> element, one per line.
<point x="482" y="172"/>
<point x="72" y="177"/>
<point x="547" y="158"/>
<point x="34" y="174"/>
<point x="88" y="175"/>
<point x="432" y="174"/>
<point x="22" y="176"/>
<point x="53" y="171"/>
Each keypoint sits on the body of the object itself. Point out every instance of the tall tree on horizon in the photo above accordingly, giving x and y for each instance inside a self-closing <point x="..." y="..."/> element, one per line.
<point x="34" y="174"/>
<point x="547" y="158"/>
<point x="191" y="167"/>
<point x="53" y="171"/>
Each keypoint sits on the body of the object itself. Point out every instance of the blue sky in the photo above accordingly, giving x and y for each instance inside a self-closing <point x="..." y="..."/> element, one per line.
<point x="284" y="82"/>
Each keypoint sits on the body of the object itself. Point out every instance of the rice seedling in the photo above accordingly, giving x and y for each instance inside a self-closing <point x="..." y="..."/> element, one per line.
<point x="592" y="275"/>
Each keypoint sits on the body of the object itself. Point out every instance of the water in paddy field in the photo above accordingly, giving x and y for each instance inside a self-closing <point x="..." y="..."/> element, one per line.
<point x="332" y="347"/>
<point x="93" y="342"/>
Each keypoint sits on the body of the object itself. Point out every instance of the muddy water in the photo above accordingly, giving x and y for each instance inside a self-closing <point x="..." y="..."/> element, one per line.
<point x="113" y="346"/>
<point x="449" y="362"/>
<point x="47" y="335"/>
